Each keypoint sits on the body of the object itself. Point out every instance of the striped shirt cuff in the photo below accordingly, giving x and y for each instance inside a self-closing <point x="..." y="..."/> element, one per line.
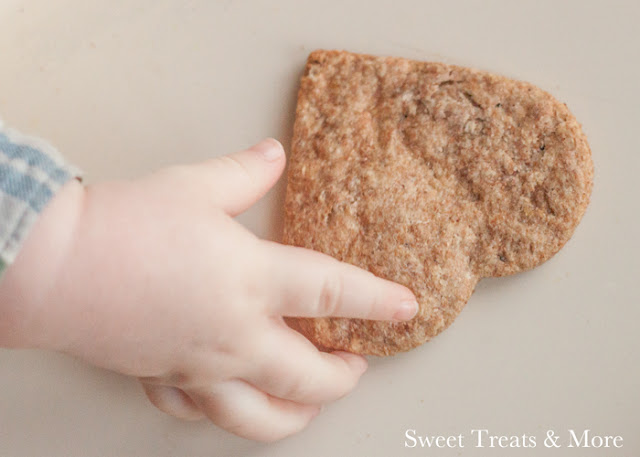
<point x="31" y="173"/>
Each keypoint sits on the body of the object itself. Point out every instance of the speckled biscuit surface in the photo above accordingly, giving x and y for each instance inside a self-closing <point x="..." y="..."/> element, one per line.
<point x="430" y="175"/>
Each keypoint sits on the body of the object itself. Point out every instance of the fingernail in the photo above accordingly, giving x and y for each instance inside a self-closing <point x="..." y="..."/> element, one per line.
<point x="407" y="310"/>
<point x="270" y="149"/>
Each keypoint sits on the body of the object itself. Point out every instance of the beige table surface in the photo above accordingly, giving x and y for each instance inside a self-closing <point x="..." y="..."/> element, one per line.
<point x="125" y="86"/>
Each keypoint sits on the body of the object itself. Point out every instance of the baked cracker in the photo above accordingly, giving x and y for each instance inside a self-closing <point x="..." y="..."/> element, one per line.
<point x="430" y="175"/>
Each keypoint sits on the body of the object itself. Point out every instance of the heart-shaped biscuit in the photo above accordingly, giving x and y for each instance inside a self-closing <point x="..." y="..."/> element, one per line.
<point x="430" y="175"/>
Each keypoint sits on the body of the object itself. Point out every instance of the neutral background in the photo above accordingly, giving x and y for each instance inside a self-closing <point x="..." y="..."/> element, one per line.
<point x="125" y="86"/>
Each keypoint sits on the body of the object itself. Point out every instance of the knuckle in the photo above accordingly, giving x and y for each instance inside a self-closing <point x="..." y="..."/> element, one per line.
<point x="231" y="162"/>
<point x="296" y="389"/>
<point x="330" y="296"/>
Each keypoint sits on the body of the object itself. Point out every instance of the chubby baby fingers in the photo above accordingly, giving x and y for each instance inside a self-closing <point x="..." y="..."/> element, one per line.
<point x="243" y="410"/>
<point x="306" y="283"/>
<point x="288" y="366"/>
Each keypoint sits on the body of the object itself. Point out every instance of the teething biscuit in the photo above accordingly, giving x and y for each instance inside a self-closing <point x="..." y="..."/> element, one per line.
<point x="430" y="175"/>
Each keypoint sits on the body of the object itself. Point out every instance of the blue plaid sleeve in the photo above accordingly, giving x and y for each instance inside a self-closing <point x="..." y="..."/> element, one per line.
<point x="31" y="172"/>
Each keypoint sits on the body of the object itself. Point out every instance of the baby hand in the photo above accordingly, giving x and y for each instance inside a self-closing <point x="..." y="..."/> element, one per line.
<point x="154" y="278"/>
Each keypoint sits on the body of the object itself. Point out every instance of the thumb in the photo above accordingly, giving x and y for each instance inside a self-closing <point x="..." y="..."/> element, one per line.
<point x="242" y="178"/>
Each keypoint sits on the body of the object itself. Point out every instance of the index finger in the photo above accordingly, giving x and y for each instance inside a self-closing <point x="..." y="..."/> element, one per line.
<point x="307" y="283"/>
